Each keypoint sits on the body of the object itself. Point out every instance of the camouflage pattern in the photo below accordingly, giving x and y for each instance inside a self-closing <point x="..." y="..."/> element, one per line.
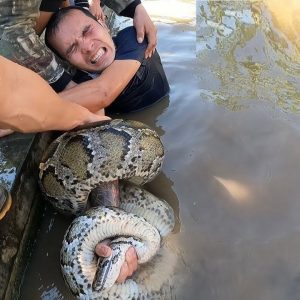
<point x="117" y="5"/>
<point x="20" y="43"/>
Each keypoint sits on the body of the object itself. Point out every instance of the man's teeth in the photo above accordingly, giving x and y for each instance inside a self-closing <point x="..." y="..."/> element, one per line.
<point x="97" y="55"/>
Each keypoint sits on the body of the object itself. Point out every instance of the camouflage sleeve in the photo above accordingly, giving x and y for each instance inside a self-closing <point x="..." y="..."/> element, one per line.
<point x="129" y="11"/>
<point x="117" y="5"/>
<point x="124" y="8"/>
<point x="51" y="5"/>
<point x="20" y="43"/>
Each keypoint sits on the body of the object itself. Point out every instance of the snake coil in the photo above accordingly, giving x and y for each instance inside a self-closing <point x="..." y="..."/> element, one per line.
<point x="79" y="161"/>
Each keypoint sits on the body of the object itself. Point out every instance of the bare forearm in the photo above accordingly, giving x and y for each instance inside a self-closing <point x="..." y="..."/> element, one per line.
<point x="28" y="104"/>
<point x="100" y="92"/>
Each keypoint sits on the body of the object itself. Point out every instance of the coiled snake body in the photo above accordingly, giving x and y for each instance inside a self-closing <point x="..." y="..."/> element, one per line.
<point x="78" y="162"/>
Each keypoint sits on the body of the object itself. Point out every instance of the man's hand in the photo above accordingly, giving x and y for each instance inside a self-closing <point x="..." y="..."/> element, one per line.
<point x="144" y="26"/>
<point x="130" y="264"/>
<point x="96" y="10"/>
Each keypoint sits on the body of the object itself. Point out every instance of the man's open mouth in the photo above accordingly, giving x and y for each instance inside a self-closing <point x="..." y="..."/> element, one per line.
<point x="98" y="55"/>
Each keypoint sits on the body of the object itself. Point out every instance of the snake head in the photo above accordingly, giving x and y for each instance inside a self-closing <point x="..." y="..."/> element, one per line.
<point x="101" y="280"/>
<point x="108" y="268"/>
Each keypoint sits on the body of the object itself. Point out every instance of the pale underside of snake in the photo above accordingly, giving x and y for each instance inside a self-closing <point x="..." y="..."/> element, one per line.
<point x="80" y="161"/>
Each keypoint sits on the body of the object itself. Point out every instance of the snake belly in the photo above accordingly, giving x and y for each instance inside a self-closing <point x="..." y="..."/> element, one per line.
<point x="78" y="259"/>
<point x="79" y="161"/>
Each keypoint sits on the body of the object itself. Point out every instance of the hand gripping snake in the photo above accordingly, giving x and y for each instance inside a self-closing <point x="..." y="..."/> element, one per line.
<point x="77" y="163"/>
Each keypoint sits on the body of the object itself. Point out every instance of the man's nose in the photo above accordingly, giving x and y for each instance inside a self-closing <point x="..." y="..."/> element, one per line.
<point x="86" y="45"/>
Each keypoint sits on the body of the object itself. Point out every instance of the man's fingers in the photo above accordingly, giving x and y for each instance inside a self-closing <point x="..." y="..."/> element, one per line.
<point x="129" y="266"/>
<point x="97" y="118"/>
<point x="144" y="26"/>
<point x="131" y="260"/>
<point x="103" y="250"/>
<point x="124" y="272"/>
<point x="152" y="42"/>
<point x="101" y="17"/>
<point x="149" y="51"/>
<point x="140" y="35"/>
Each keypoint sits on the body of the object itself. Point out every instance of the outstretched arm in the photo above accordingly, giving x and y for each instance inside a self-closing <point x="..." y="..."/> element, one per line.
<point x="100" y="92"/>
<point x="28" y="104"/>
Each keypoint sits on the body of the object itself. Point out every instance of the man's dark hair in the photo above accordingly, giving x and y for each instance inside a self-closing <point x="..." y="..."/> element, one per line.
<point x="57" y="18"/>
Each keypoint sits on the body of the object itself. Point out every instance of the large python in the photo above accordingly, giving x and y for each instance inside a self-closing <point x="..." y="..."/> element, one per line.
<point x="78" y="162"/>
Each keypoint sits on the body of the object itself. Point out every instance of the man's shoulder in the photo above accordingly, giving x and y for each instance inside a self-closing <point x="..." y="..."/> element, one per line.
<point x="127" y="46"/>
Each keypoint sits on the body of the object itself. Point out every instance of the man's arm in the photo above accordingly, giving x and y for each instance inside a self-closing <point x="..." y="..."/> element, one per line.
<point x="100" y="92"/>
<point x="20" y="43"/>
<point x="28" y="104"/>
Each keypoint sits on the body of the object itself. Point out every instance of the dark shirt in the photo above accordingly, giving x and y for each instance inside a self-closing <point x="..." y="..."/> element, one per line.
<point x="148" y="85"/>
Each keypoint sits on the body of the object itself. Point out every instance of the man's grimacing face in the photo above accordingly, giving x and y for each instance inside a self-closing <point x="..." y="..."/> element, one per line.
<point x="83" y="42"/>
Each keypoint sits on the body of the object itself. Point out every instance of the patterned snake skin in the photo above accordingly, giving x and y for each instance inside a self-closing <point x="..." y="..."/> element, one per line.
<point x="78" y="162"/>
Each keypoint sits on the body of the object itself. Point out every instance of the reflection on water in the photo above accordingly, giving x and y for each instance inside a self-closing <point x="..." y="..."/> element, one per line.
<point x="251" y="50"/>
<point x="172" y="11"/>
<point x="286" y="19"/>
<point x="237" y="190"/>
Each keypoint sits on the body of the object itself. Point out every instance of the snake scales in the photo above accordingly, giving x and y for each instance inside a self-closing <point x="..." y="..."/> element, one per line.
<point x="75" y="164"/>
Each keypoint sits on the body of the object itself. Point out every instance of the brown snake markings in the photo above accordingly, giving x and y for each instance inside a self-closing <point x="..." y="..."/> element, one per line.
<point x="79" y="161"/>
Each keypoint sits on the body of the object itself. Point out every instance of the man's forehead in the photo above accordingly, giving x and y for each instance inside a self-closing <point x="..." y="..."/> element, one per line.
<point x="77" y="16"/>
<point x="72" y="23"/>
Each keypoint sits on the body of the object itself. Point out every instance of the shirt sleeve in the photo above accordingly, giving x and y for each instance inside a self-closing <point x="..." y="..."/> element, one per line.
<point x="130" y="9"/>
<point x="82" y="3"/>
<point x="50" y="5"/>
<point x="117" y="5"/>
<point x="60" y="84"/>
<point x="81" y="76"/>
<point x="123" y="8"/>
<point x="21" y="44"/>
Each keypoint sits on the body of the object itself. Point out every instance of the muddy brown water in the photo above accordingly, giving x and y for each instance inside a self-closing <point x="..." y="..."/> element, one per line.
<point x="231" y="132"/>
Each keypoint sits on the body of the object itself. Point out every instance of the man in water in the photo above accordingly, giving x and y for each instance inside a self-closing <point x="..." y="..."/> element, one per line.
<point x="127" y="81"/>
